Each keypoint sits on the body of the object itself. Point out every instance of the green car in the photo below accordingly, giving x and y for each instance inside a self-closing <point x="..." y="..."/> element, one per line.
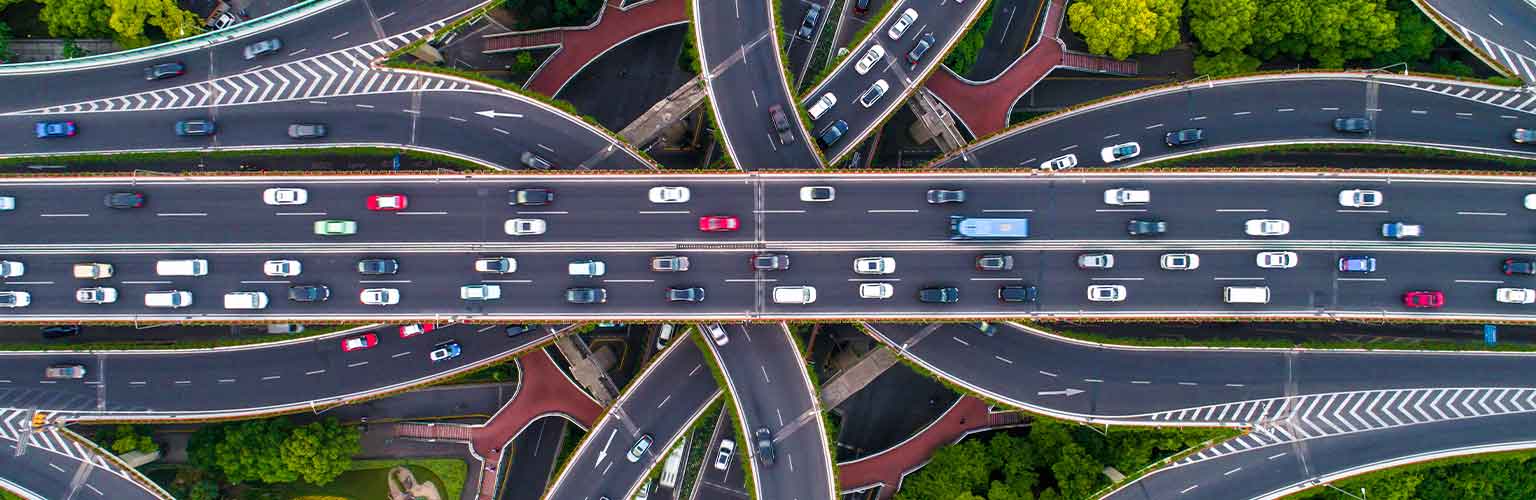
<point x="335" y="227"/>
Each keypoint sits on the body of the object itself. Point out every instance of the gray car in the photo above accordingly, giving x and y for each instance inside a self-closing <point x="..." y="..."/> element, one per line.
<point x="262" y="48"/>
<point x="306" y="130"/>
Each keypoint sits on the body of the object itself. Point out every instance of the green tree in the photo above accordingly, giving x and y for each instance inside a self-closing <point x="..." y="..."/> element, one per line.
<point x="964" y="55"/>
<point x="5" y="42"/>
<point x="1228" y="62"/>
<point x="954" y="470"/>
<point x="1222" y="25"/>
<point x="1328" y="31"/>
<point x="523" y="63"/>
<point x="128" y="438"/>
<point x="1076" y="473"/>
<point x="274" y="451"/>
<point x="320" y="451"/>
<point x="76" y="18"/>
<point x="69" y="50"/>
<point x="1119" y="28"/>
<point x="1417" y="36"/>
<point x="576" y="12"/>
<point x="129" y="18"/>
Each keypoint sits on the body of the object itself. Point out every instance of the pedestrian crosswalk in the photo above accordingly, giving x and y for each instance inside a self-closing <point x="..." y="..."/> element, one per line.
<point x="16" y="426"/>
<point x="1289" y="419"/>
<point x="1519" y="100"/>
<point x="344" y="72"/>
<point x="1510" y="58"/>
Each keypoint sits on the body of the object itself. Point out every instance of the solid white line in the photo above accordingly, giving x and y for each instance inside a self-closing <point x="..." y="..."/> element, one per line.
<point x="272" y="377"/>
<point x="1330" y="109"/>
<point x="778" y="211"/>
<point x="299" y="213"/>
<point x="997" y="279"/>
<point x="1003" y="359"/>
<point x="406" y="353"/>
<point x="1482" y="213"/>
<point x="1234" y="210"/>
<point x="1486" y="282"/>
<point x="1286" y="110"/>
<point x="662" y="212"/>
<point x="1094" y="380"/>
<point x="503" y="132"/>
<point x="187" y="214"/>
<point x="1007" y="210"/>
<point x="892" y="211"/>
<point x="314" y="372"/>
<point x="421" y="213"/>
<point x="318" y="102"/>
<point x="65" y="215"/>
<point x="1237" y="279"/>
<point x="1361" y="279"/>
<point x="1046" y="373"/>
<point x="1152" y="126"/>
<point x="344" y="33"/>
<point x="357" y="364"/>
<point x="28" y="283"/>
<point x="364" y="106"/>
<point x="265" y="282"/>
<point x="1119" y="279"/>
<point x="386" y="16"/>
<point x="629" y="281"/>
<point x="457" y="119"/>
<point x="1241" y="113"/>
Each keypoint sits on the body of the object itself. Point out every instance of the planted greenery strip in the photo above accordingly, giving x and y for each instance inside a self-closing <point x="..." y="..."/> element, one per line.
<point x="452" y="471"/>
<point x="200" y="344"/>
<point x="823" y="48"/>
<point x="726" y="161"/>
<point x="1284" y="344"/>
<point x="858" y="41"/>
<point x="698" y="444"/>
<point x="730" y="400"/>
<point x="1345" y="148"/>
<point x="1488" y="475"/>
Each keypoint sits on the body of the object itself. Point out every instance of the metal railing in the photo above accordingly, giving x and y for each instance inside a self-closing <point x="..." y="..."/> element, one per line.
<point x="297" y="10"/>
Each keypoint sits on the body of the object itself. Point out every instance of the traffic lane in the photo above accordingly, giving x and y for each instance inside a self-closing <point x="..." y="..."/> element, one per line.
<point x="533" y="459"/>
<point x="399" y="16"/>
<point x="232" y="213"/>
<point x="791" y="17"/>
<point x="51" y="475"/>
<point x="945" y="21"/>
<point x="427" y="284"/>
<point x="743" y="94"/>
<point x="292" y="374"/>
<point x="22" y="384"/>
<point x="1250" y="112"/>
<point x="1260" y="472"/>
<point x="1042" y="371"/>
<point x="767" y="375"/>
<point x="564" y="141"/>
<point x="660" y="404"/>
<point x="724" y="28"/>
<point x="1505" y="23"/>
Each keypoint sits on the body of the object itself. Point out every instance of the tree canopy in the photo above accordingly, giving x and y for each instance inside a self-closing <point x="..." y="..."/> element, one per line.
<point x="275" y="451"/>
<point x="1120" y="28"/>
<point x="123" y="20"/>
<point x="1236" y="35"/>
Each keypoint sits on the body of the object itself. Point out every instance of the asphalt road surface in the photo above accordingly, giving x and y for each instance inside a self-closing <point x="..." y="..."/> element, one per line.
<point x="745" y="79"/>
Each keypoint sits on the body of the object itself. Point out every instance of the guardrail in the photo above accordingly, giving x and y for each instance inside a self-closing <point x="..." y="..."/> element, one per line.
<point x="290" y="13"/>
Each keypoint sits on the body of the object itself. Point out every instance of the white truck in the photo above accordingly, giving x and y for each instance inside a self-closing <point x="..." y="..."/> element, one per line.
<point x="589" y="268"/>
<point x="184" y="267"/>
<point x="1399" y="230"/>
<point x="93" y="271"/>
<point x="1123" y="196"/>
<point x="245" y="300"/>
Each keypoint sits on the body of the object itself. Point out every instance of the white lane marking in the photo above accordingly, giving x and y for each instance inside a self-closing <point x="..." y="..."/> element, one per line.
<point x="137" y="382"/>
<point x="411" y="111"/>
<point x="1069" y="148"/>
<point x="318" y="102"/>
<point x="65" y="215"/>
<point x="383" y="281"/>
<point x="1236" y="385"/>
<point x="1120" y="210"/>
<point x="507" y="281"/>
<point x="1119" y="279"/>
<point x="1277" y="455"/>
<point x="1241" y="210"/>
<point x="1482" y="282"/>
<point x="1007" y="210"/>
<point x="421" y="213"/>
<point x="750" y="281"/>
<point x="55" y="467"/>
<point x="1361" y="279"/>
<point x="314" y="372"/>
<point x="93" y="488"/>
<point x="344" y="33"/>
<point x="546" y="148"/>
<point x="300" y="213"/>
<point x="226" y="381"/>
<point x="386" y="16"/>
<point x="1197" y="118"/>
<point x="364" y="106"/>
<point x="294" y="53"/>
<point x="545" y="212"/>
<point x="272" y="377"/>
<point x="457" y="119"/>
<point x="1228" y="473"/>
<point x="962" y="342"/>
<point x="778" y="211"/>
<point x="265" y="282"/>
<point x="1111" y="136"/>
<point x="183" y="214"/>
<point x="1003" y="359"/>
<point x="629" y="281"/>
<point x="1152" y="126"/>
<point x="1188" y="383"/>
<point x="1482" y="213"/>
<point x="1140" y="382"/>
<point x="997" y="279"/>
<point x="877" y="280"/>
<point x="1330" y="109"/>
<point x="1046" y="373"/>
<point x="662" y="212"/>
<point x="146" y="282"/>
<point x="357" y="364"/>
<point x="1418" y="111"/>
<point x="1094" y="380"/>
<point x="503" y="132"/>
<point x="1358" y="211"/>
<point x="406" y="353"/>
<point x="1495" y="19"/>
<point x="1241" y="113"/>
<point x="876" y="211"/>
<point x="28" y="283"/>
<point x="1236" y="279"/>
<point x="1286" y="110"/>
<point x="664" y="401"/>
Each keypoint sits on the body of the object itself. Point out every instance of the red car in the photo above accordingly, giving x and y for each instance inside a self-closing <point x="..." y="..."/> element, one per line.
<point x="408" y="331"/>
<point x="359" y="343"/>
<point x="1432" y="299"/>
<point x="386" y="202"/>
<point x="719" y="223"/>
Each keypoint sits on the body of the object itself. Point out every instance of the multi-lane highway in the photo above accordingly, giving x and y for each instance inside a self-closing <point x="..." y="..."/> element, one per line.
<point x="1272" y="110"/>
<point x="937" y="26"/>
<point x="745" y="78"/>
<point x="451" y="221"/>
<point x="51" y="465"/>
<point x="1505" y="31"/>
<point x="656" y="409"/>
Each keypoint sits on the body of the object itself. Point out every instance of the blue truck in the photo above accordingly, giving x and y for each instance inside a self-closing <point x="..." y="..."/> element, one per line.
<point x="982" y="228"/>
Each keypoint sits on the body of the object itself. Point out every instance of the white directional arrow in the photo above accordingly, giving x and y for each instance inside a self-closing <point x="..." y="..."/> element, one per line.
<point x="604" y="454"/>
<point x="1063" y="392"/>
<point x="491" y="113"/>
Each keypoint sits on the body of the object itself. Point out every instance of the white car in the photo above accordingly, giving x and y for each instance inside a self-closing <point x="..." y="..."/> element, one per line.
<point x="821" y="105"/>
<point x="12" y="269"/>
<point x="1119" y="152"/>
<point x="908" y="17"/>
<point x="525" y="227"/>
<point x="874" y="265"/>
<point x="1059" y="163"/>
<point x="717" y="334"/>
<point x="1359" y="198"/>
<point x="1096" y="261"/>
<point x="380" y="296"/>
<point x="7" y="203"/>
<point x="1106" y="293"/>
<point x="285" y="196"/>
<point x="1180" y="261"/>
<point x="871" y="56"/>
<point x="1530" y="201"/>
<point x="497" y="265"/>
<point x="1277" y="260"/>
<point x="817" y="193"/>
<point x="96" y="295"/>
<point x="1267" y="227"/>
<point x="480" y="292"/>
<point x="794" y="294"/>
<point x="586" y="268"/>
<point x="282" y="268"/>
<point x="723" y="457"/>
<point x="669" y="194"/>
<point x="876" y="290"/>
<point x="1123" y="196"/>
<point x="15" y="299"/>
<point x="1515" y="295"/>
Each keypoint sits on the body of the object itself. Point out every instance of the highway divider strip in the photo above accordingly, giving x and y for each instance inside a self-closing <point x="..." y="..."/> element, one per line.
<point x="1397" y="462"/>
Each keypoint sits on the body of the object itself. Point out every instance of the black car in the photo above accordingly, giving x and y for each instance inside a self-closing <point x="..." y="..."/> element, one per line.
<point x="765" y="451"/>
<point x="375" y="267"/>
<point x="941" y="196"/>
<point x="861" y="7"/>
<point x="586" y="295"/>
<point x="60" y="331"/>
<point x="917" y="52"/>
<point x="1146" y="227"/>
<point x="780" y="123"/>
<point x="1519" y="266"/>
<point x="195" y="128"/>
<point x="164" y="70"/>
<point x="532" y="197"/>
<point x="940" y="295"/>
<point x="309" y="293"/>
<point x="1354" y="125"/>
<point x="124" y="199"/>
<point x="770" y="262"/>
<point x="994" y="262"/>
<point x="833" y="133"/>
<point x="808" y="25"/>
<point x="1018" y="293"/>
<point x="694" y="294"/>
<point x="515" y="330"/>
<point x="1185" y="137"/>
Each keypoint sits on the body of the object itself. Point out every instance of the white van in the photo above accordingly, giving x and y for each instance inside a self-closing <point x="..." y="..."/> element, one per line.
<point x="1245" y="294"/>
<point x="245" y="300"/>
<point x="172" y="299"/>
<point x="794" y="294"/>
<point x="184" y="267"/>
<point x="821" y="105"/>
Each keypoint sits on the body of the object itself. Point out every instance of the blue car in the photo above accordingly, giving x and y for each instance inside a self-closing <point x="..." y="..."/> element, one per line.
<point x="1358" y="264"/>
<point x="55" y="129"/>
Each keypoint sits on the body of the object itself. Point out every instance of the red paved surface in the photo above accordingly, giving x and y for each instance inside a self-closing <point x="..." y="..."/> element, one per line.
<point x="984" y="107"/>
<point x="967" y="415"/>
<point x="542" y="390"/>
<point x="580" y="45"/>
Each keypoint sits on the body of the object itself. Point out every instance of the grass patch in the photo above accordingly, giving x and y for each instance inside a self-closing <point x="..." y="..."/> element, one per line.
<point x="823" y="49"/>
<point x="1490" y="475"/>
<point x="372" y="481"/>
<point x="6" y="495"/>
<point x="568" y="444"/>
<point x="453" y="472"/>
<point x="698" y="439"/>
<point x="193" y="157"/>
